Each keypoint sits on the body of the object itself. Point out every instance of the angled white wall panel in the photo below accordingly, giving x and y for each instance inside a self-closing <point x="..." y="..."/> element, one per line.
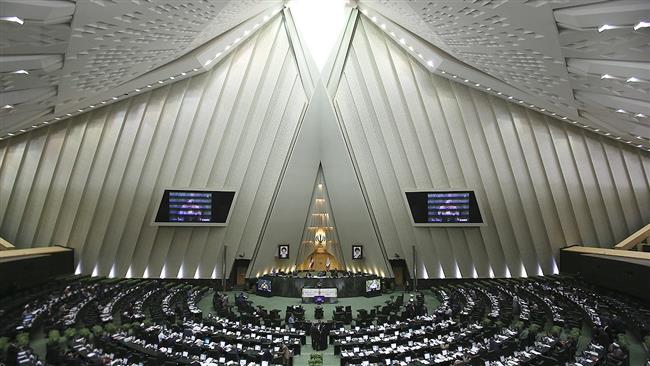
<point x="94" y="181"/>
<point x="542" y="184"/>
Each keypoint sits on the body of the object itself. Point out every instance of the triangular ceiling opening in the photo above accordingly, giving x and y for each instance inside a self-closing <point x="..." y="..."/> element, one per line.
<point x="320" y="248"/>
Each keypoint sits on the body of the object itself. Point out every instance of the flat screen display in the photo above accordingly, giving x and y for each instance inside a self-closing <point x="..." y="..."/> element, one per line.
<point x="447" y="207"/>
<point x="195" y="207"/>
<point x="264" y="285"/>
<point x="373" y="285"/>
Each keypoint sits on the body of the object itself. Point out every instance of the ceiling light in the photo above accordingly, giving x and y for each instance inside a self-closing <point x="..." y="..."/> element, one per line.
<point x="374" y="19"/>
<point x="621" y="111"/>
<point x="465" y="80"/>
<point x="34" y="126"/>
<point x="171" y="77"/>
<point x="80" y="110"/>
<point x="488" y="89"/>
<point x="607" y="133"/>
<point x="148" y="86"/>
<point x="499" y="93"/>
<point x="114" y="98"/>
<point x="46" y="122"/>
<point x="510" y="97"/>
<point x="160" y="81"/>
<point x="23" y="130"/>
<point x="182" y="73"/>
<point x="565" y="118"/>
<point x="605" y="27"/>
<point x="68" y="114"/>
<point x="236" y="40"/>
<point x="21" y="71"/>
<point x="606" y="76"/>
<point x="477" y="84"/>
<point x="402" y="41"/>
<point x="430" y="63"/>
<point x="633" y="80"/>
<point x="521" y="101"/>
<point x="256" y="25"/>
<point x="640" y="115"/>
<point x="195" y="70"/>
<point x="266" y="17"/>
<point x="7" y="106"/>
<point x="10" y="134"/>
<point x="103" y="102"/>
<point x="454" y="76"/>
<point x="13" y="20"/>
<point x="137" y="90"/>
<point x="642" y="24"/>
<point x="383" y="26"/>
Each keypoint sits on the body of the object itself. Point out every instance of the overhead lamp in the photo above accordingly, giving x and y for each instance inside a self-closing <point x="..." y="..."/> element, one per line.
<point x="605" y="27"/>
<point x="640" y="115"/>
<point x="607" y="76"/>
<point x="621" y="110"/>
<point x="632" y="79"/>
<point x="7" y="106"/>
<point x="430" y="63"/>
<point x="21" y="71"/>
<point x="642" y="24"/>
<point x="13" y="20"/>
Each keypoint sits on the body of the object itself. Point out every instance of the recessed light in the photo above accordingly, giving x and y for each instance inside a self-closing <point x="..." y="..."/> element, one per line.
<point x="477" y="84"/>
<point x="114" y="98"/>
<point x="511" y="97"/>
<point x="465" y="80"/>
<point x="10" y="134"/>
<point x="23" y="72"/>
<point x="13" y="20"/>
<point x="640" y="115"/>
<point x="621" y="110"/>
<point x="34" y="126"/>
<point x="7" y="106"/>
<point x="633" y="80"/>
<point x="605" y="27"/>
<point x="606" y="76"/>
<point x="68" y="114"/>
<point x="137" y="90"/>
<point x="80" y="110"/>
<point x="642" y="24"/>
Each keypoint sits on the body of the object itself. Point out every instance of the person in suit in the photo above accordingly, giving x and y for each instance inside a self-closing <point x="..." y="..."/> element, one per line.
<point x="285" y="352"/>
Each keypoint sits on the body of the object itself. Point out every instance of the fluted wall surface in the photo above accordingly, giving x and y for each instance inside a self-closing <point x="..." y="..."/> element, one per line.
<point x="542" y="184"/>
<point x="93" y="182"/>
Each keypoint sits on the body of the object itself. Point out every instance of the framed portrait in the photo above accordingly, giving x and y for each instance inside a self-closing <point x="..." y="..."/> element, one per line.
<point x="283" y="251"/>
<point x="357" y="252"/>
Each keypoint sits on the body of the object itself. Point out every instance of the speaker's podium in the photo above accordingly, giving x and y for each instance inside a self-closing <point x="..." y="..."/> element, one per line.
<point x="319" y="295"/>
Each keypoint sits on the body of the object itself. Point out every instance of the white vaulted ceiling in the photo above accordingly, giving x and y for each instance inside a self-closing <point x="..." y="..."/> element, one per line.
<point x="76" y="53"/>
<point x="551" y="51"/>
<point x="548" y="55"/>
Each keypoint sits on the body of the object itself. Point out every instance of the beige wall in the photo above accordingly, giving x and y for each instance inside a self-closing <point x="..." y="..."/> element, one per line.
<point x="542" y="183"/>
<point x="92" y="182"/>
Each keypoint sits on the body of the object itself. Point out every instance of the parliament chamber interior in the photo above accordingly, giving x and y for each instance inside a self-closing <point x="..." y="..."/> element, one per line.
<point x="325" y="182"/>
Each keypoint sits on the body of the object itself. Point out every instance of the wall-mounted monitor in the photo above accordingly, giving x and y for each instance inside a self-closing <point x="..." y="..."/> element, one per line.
<point x="444" y="208"/>
<point x="194" y="207"/>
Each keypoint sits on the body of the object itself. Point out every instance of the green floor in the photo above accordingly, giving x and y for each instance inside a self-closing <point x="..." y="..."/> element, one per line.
<point x="637" y="353"/>
<point x="282" y="302"/>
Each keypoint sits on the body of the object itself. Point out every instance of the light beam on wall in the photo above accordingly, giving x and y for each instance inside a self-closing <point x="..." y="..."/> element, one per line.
<point x="319" y="23"/>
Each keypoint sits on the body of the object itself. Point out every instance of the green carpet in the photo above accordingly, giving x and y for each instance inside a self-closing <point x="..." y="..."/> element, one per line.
<point x="281" y="303"/>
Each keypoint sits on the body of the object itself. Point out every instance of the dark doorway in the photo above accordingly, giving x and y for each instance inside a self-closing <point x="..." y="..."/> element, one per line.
<point x="400" y="271"/>
<point x="238" y="273"/>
